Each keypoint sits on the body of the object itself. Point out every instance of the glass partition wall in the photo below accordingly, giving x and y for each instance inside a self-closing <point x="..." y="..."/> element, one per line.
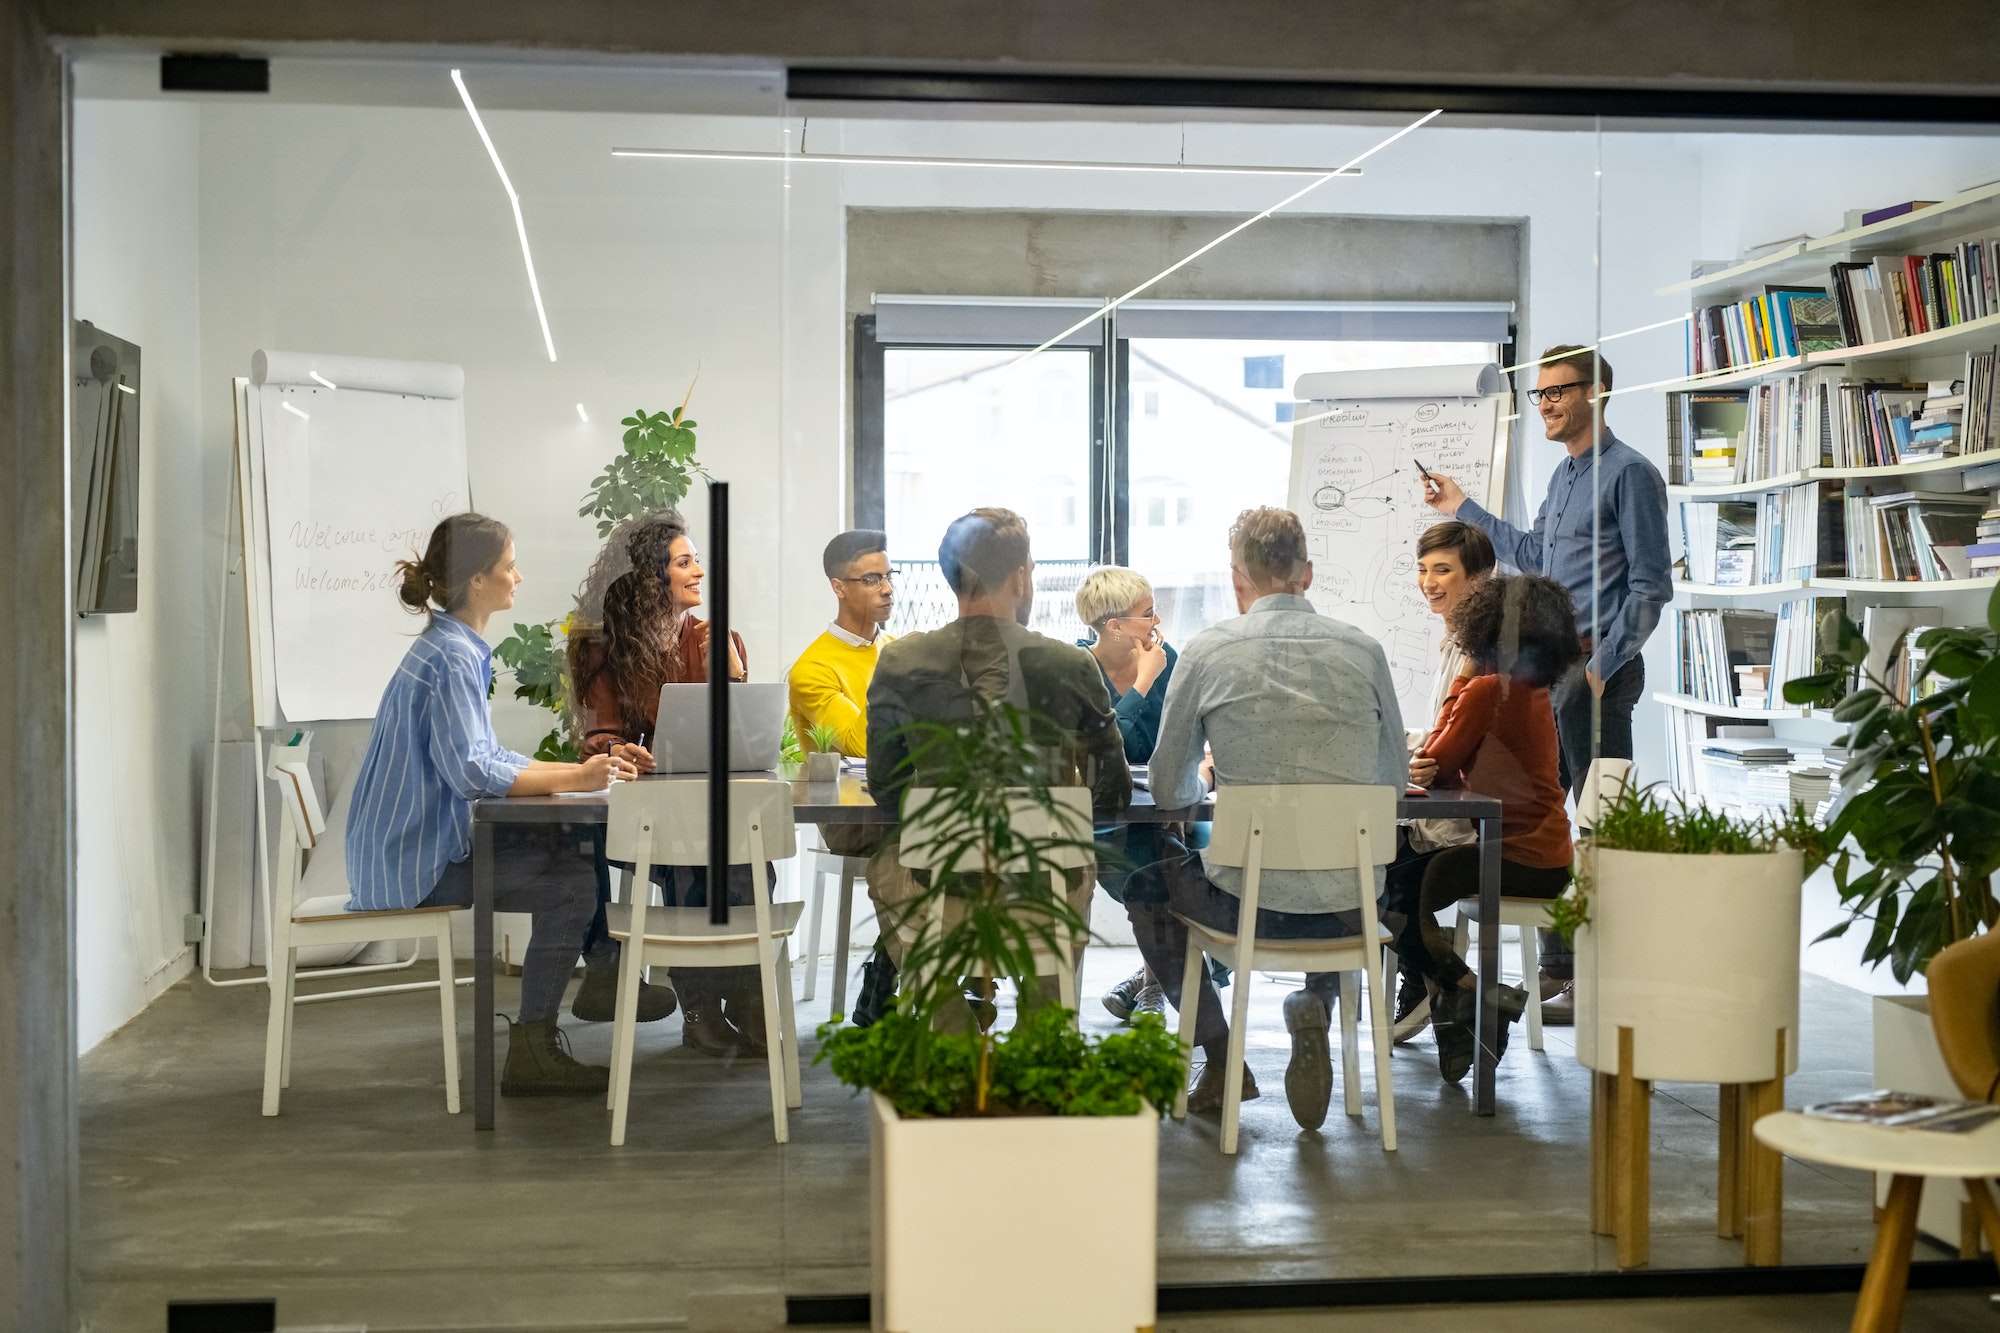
<point x="1126" y="325"/>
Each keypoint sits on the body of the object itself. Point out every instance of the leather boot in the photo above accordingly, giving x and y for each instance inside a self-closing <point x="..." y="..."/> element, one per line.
<point x="597" y="998"/>
<point x="539" y="1065"/>
<point x="743" y="1006"/>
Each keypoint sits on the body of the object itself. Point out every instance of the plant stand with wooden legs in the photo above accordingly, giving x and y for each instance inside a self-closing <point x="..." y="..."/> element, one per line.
<point x="1749" y="1175"/>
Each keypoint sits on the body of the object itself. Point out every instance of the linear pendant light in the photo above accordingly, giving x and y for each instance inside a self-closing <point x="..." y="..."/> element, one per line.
<point x="993" y="163"/>
<point x="520" y="225"/>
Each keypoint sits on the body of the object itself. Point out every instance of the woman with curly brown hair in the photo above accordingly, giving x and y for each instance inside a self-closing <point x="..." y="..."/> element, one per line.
<point x="1496" y="736"/>
<point x="650" y="636"/>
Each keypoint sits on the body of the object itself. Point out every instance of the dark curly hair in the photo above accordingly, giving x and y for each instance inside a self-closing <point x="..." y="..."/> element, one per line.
<point x="1523" y="626"/>
<point x="638" y="642"/>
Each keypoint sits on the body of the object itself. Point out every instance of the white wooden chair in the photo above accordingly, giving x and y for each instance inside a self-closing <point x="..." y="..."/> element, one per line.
<point x="820" y="864"/>
<point x="1298" y="827"/>
<point x="325" y="920"/>
<point x="1071" y="819"/>
<point x="665" y="823"/>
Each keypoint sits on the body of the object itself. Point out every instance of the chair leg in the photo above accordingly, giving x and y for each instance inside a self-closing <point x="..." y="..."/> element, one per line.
<point x="815" y="908"/>
<point x="1461" y="935"/>
<point x="788" y="1025"/>
<point x="1190" y="1004"/>
<point x="774" y="1046"/>
<point x="624" y="1035"/>
<point x="1239" y="1020"/>
<point x="274" y="1033"/>
<point x="448" y="1012"/>
<point x="1350" y="1045"/>
<point x="843" y="927"/>
<point x="291" y="1016"/>
<point x="1531" y="977"/>
<point x="1066" y="990"/>
<point x="1376" y="982"/>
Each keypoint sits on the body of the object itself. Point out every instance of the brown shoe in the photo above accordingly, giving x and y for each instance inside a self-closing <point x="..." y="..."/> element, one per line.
<point x="1558" y="1003"/>
<point x="744" y="1010"/>
<point x="1206" y="1099"/>
<point x="704" y="1029"/>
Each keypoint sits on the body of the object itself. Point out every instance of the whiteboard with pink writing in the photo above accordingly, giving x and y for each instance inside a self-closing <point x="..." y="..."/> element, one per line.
<point x="350" y="481"/>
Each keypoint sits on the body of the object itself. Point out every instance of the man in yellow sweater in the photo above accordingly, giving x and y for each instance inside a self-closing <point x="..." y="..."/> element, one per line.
<point x="829" y="682"/>
<point x="829" y="688"/>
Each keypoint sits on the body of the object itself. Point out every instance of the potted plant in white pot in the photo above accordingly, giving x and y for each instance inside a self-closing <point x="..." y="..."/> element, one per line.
<point x="822" y="762"/>
<point x="1044" y="1139"/>
<point x="1916" y="831"/>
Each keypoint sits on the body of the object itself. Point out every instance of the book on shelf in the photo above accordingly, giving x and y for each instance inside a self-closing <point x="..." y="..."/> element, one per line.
<point x="1869" y="217"/>
<point x="1911" y="536"/>
<point x="1900" y="296"/>
<point x="1887" y="629"/>
<point x="1704" y="432"/>
<point x="1779" y="322"/>
<point x="1796" y="646"/>
<point x="1713" y="642"/>
<point x="1792" y="532"/>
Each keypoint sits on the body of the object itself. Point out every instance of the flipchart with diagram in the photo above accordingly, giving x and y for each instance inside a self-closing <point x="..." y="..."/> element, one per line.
<point x="1357" y="440"/>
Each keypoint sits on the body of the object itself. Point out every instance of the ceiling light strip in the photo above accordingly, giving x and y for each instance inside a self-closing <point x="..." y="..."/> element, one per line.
<point x="1003" y="164"/>
<point x="520" y="225"/>
<point x="1244" y="225"/>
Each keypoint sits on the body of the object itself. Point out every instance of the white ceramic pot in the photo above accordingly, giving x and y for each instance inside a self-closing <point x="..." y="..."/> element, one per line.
<point x="1907" y="1060"/>
<point x="1024" y="1222"/>
<point x="823" y="767"/>
<point x="1699" y="956"/>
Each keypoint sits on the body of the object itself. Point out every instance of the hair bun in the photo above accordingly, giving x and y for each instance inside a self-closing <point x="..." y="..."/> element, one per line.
<point x="413" y="585"/>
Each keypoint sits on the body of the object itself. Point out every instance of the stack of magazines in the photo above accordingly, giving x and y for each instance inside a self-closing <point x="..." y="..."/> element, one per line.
<point x="1907" y="1110"/>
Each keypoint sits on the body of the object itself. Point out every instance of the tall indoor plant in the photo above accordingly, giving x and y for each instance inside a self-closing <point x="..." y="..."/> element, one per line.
<point x="654" y="470"/>
<point x="1916" y="832"/>
<point x="1054" y="1134"/>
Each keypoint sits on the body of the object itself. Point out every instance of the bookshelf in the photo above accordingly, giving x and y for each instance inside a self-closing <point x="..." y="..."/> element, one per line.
<point x="1829" y="456"/>
<point x="1970" y="211"/>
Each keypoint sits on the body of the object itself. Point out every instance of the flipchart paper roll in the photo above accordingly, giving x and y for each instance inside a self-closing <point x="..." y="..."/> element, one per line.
<point x="1469" y="381"/>
<point x="424" y="379"/>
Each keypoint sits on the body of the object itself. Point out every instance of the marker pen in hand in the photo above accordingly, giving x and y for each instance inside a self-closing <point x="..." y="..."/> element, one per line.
<point x="1430" y="482"/>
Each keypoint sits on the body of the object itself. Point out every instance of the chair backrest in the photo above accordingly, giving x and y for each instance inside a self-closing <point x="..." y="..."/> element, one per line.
<point x="301" y="802"/>
<point x="677" y="809"/>
<point x="1606" y="779"/>
<point x="921" y="848"/>
<point x="1306" y="826"/>
<point x="1964" y="982"/>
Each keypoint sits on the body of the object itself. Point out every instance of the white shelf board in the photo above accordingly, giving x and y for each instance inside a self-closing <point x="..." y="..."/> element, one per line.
<point x="1949" y="463"/>
<point x="1687" y="703"/>
<point x="1927" y="587"/>
<point x="1956" y="216"/>
<point x="1970" y="333"/>
<point x="1726" y="379"/>
<point x="1745" y="590"/>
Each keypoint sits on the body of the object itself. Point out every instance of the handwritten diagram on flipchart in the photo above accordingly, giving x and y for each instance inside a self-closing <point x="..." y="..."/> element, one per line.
<point x="1356" y="488"/>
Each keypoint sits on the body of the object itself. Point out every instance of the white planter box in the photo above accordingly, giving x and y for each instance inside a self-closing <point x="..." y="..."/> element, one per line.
<point x="1003" y="1225"/>
<point x="1907" y="1060"/>
<point x="1699" y="956"/>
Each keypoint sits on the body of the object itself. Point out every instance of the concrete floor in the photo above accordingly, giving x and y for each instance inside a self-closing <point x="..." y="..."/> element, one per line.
<point x="365" y="1204"/>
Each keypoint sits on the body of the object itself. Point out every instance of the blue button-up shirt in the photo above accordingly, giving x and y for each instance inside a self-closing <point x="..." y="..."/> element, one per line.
<point x="432" y="753"/>
<point x="1633" y="563"/>
<point x="1281" y="695"/>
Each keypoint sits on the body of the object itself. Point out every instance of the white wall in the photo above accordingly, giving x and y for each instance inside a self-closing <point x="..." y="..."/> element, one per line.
<point x="140" y="725"/>
<point x="383" y="231"/>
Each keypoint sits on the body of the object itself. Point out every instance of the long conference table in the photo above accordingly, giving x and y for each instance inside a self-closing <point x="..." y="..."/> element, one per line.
<point x="848" y="802"/>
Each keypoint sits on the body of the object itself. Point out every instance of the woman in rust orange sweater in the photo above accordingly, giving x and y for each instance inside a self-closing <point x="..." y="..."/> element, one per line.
<point x="651" y="637"/>
<point x="1496" y="736"/>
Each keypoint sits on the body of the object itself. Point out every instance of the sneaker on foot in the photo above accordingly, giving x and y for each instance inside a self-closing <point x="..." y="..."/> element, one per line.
<point x="539" y="1064"/>
<point x="1151" y="1000"/>
<point x="1309" y="1076"/>
<point x="1413" y="1008"/>
<point x="1123" y="998"/>
<point x="1513" y="1003"/>
<point x="1206" y="1099"/>
<point x="878" y="988"/>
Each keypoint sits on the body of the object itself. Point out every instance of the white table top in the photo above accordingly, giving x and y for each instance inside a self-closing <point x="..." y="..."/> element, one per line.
<point x="1899" y="1152"/>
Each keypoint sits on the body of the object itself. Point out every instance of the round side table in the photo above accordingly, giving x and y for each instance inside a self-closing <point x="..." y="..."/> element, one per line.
<point x="1907" y="1156"/>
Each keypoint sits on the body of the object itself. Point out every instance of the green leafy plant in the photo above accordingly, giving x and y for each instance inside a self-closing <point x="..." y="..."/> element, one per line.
<point x="1655" y="819"/>
<point x="1917" y="826"/>
<point x="789" y="749"/>
<point x="993" y="831"/>
<point x="825" y="739"/>
<point x="655" y="471"/>
<point x="1039" y="1068"/>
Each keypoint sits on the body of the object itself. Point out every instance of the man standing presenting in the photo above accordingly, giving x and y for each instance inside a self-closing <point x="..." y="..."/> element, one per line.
<point x="1620" y="517"/>
<point x="1605" y="539"/>
<point x="829" y="688"/>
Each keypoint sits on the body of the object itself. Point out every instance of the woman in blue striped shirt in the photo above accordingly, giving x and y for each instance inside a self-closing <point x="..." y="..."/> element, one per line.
<point x="431" y="754"/>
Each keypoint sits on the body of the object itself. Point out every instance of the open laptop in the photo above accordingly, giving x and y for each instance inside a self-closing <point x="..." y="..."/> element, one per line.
<point x="756" y="722"/>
